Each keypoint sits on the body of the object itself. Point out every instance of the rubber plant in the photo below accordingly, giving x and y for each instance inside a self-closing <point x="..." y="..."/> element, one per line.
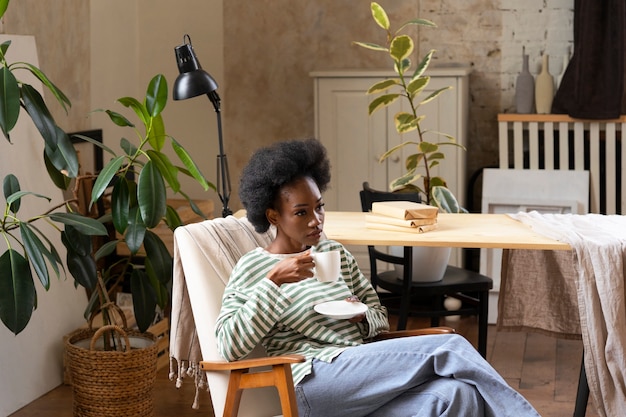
<point x="137" y="177"/>
<point x="410" y="85"/>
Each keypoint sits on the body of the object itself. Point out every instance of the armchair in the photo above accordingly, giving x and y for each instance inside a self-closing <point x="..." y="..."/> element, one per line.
<point x="204" y="255"/>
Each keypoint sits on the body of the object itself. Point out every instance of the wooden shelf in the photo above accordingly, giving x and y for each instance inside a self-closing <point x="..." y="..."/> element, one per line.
<point x="556" y="118"/>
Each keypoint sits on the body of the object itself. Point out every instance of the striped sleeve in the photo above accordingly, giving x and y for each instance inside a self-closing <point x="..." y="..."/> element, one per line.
<point x="251" y="305"/>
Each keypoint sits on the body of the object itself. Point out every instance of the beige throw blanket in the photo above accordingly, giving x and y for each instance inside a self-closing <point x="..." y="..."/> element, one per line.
<point x="223" y="241"/>
<point x="599" y="246"/>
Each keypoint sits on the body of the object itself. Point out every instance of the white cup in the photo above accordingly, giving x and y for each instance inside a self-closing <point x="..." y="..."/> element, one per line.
<point x="327" y="265"/>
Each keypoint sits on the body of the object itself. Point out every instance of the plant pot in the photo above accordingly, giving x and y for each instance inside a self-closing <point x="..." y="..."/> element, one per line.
<point x="108" y="382"/>
<point x="429" y="263"/>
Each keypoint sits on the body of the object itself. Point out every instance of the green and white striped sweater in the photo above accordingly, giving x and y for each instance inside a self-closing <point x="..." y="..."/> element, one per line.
<point x="255" y="310"/>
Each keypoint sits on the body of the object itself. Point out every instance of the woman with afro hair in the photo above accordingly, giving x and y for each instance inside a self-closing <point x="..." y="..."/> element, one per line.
<point x="272" y="291"/>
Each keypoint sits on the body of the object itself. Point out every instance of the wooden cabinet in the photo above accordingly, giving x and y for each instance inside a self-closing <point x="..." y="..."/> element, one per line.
<point x="355" y="141"/>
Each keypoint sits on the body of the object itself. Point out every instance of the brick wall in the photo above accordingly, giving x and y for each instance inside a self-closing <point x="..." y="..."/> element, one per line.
<point x="489" y="35"/>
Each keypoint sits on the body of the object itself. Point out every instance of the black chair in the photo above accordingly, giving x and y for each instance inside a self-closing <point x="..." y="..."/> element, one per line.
<point x="406" y="298"/>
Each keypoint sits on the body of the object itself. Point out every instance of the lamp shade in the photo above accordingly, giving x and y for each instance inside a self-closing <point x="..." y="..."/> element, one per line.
<point x="192" y="80"/>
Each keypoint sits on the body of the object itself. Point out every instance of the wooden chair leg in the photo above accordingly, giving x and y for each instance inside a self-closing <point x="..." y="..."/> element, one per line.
<point x="233" y="395"/>
<point x="286" y="391"/>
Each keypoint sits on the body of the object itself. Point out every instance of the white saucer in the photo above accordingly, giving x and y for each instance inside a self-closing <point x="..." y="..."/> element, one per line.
<point x="340" y="309"/>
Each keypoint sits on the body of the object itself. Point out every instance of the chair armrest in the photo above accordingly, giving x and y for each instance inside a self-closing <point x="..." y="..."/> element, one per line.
<point x="250" y="363"/>
<point x="416" y="332"/>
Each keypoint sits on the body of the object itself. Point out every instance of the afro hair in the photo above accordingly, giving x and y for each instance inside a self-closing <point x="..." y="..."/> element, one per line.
<point x="272" y="167"/>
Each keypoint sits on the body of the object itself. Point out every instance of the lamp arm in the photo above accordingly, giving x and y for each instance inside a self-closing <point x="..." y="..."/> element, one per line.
<point x="223" y="177"/>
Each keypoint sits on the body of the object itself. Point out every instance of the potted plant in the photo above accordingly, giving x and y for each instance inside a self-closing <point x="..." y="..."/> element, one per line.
<point x="428" y="153"/>
<point x="137" y="177"/>
<point x="409" y="85"/>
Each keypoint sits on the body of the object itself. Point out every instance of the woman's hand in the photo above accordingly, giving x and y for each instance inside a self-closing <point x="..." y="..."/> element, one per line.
<point x="292" y="269"/>
<point x="360" y="317"/>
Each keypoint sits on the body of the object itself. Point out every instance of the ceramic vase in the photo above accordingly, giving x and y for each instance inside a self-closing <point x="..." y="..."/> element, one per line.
<point x="429" y="263"/>
<point x="544" y="88"/>
<point x="524" y="89"/>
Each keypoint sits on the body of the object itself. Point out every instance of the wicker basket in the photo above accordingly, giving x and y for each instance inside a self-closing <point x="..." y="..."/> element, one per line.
<point x="112" y="383"/>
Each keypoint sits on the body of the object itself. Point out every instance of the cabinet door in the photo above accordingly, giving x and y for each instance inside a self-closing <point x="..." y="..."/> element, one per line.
<point x="354" y="140"/>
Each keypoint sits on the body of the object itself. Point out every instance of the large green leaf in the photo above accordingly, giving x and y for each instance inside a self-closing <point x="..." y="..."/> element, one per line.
<point x="17" y="291"/>
<point x="428" y="147"/>
<point x="135" y="232"/>
<point x="137" y="107"/>
<point x="3" y="7"/>
<point x="63" y="154"/>
<point x="380" y="16"/>
<point x="443" y="198"/>
<point x="156" y="136"/>
<point x="417" y="85"/>
<point x="107" y="249"/>
<point x="401" y="47"/>
<point x="144" y="299"/>
<point x="160" y="289"/>
<point x="118" y="119"/>
<point x="85" y="225"/>
<point x="17" y="196"/>
<point x="151" y="195"/>
<point x="128" y="147"/>
<point x="159" y="256"/>
<point x="9" y="101"/>
<point x="194" y="207"/>
<point x="156" y="96"/>
<point x="372" y="46"/>
<point x="381" y="102"/>
<point x="11" y="185"/>
<point x="40" y="115"/>
<point x="58" y="178"/>
<point x="83" y="269"/>
<point x="421" y="68"/>
<point x="418" y="22"/>
<point x="105" y="177"/>
<point x="166" y="168"/>
<point x="186" y="159"/>
<point x="406" y="122"/>
<point x="77" y="242"/>
<point x="4" y="47"/>
<point x="50" y="252"/>
<point x="435" y="94"/>
<point x="35" y="250"/>
<point x="58" y="94"/>
<point x="172" y="218"/>
<point x="120" y="205"/>
<point x="383" y="85"/>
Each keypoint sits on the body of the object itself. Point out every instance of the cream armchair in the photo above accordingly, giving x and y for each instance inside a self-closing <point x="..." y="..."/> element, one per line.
<point x="204" y="255"/>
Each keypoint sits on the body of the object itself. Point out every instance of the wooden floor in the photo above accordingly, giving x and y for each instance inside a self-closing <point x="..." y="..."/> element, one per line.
<point x="543" y="369"/>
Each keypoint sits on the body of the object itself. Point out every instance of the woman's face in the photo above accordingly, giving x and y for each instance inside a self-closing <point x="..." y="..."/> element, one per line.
<point x="299" y="216"/>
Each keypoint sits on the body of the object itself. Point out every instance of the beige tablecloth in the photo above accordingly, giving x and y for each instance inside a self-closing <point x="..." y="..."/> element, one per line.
<point x="578" y="292"/>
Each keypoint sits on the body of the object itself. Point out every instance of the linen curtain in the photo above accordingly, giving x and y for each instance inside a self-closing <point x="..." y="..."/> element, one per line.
<point x="593" y="84"/>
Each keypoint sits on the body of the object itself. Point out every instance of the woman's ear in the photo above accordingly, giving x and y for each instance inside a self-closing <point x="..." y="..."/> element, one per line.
<point x="272" y="216"/>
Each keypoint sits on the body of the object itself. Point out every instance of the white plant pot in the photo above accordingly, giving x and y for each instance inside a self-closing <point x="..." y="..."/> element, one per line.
<point x="429" y="263"/>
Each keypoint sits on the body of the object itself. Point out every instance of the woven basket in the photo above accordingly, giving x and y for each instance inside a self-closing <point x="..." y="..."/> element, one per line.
<point x="112" y="383"/>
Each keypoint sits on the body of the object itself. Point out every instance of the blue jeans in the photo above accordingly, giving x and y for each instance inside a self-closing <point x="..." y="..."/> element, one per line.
<point x="440" y="375"/>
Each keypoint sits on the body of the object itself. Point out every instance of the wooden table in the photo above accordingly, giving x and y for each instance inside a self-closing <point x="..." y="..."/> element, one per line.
<point x="496" y="231"/>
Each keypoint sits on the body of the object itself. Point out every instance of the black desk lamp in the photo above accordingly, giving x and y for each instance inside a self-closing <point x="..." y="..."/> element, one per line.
<point x="194" y="81"/>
